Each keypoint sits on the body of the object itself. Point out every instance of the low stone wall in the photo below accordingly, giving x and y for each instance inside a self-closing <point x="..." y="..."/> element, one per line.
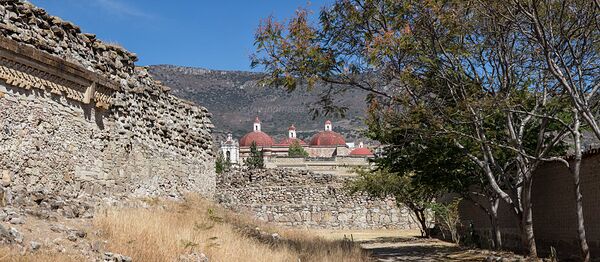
<point x="303" y="199"/>
<point x="339" y="165"/>
<point x="79" y="122"/>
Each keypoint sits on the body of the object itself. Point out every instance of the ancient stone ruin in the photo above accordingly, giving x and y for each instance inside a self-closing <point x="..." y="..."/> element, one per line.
<point x="304" y="199"/>
<point x="80" y="122"/>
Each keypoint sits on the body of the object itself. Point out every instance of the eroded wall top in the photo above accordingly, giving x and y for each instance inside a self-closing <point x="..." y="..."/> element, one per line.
<point x="33" y="26"/>
<point x="82" y="68"/>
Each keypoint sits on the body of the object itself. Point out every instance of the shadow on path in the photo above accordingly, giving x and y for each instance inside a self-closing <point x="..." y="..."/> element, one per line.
<point x="388" y="249"/>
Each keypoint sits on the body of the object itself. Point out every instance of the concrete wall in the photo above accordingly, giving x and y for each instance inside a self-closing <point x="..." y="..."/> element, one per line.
<point x="554" y="217"/>
<point x="307" y="200"/>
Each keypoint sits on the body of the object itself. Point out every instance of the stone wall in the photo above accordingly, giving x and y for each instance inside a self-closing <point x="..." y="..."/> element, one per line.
<point x="303" y="199"/>
<point x="339" y="165"/>
<point x="79" y="121"/>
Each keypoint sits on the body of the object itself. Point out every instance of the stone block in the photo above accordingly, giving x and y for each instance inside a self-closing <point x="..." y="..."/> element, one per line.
<point x="6" y="178"/>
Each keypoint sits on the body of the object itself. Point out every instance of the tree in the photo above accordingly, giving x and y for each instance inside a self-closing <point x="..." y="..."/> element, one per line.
<point x="221" y="164"/>
<point x="465" y="67"/>
<point x="415" y="167"/>
<point x="448" y="217"/>
<point x="414" y="147"/>
<point x="406" y="191"/>
<point x="296" y="150"/>
<point x="566" y="36"/>
<point x="255" y="160"/>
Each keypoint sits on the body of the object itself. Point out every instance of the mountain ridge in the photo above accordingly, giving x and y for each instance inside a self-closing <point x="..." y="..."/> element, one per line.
<point x="235" y="98"/>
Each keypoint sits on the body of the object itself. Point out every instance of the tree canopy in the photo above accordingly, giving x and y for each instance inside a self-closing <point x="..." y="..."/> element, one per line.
<point x="491" y="89"/>
<point x="255" y="159"/>
<point x="296" y="150"/>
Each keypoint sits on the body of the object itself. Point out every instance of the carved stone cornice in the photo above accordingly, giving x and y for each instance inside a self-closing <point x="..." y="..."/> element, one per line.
<point x="27" y="67"/>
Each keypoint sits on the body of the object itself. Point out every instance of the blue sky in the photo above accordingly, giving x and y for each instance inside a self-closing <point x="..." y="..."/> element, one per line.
<point x="199" y="33"/>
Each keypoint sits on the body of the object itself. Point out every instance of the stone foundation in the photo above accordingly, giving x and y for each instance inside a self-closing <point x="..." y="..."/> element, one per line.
<point x="302" y="199"/>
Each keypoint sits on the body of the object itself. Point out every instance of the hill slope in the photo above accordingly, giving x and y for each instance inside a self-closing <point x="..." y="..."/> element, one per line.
<point x="234" y="98"/>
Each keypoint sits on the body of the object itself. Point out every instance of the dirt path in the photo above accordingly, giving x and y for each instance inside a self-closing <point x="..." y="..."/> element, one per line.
<point x="402" y="245"/>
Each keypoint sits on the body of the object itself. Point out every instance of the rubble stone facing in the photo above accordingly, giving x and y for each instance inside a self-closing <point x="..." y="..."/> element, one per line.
<point x="304" y="199"/>
<point x="60" y="153"/>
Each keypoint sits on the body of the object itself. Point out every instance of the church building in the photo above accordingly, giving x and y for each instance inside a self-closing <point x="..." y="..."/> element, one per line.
<point x="326" y="144"/>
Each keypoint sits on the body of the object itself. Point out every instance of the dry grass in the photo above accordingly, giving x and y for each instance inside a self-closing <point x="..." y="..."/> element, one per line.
<point x="166" y="230"/>
<point x="11" y="255"/>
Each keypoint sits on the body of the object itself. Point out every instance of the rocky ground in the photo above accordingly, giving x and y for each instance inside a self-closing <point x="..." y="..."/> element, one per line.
<point x="38" y="233"/>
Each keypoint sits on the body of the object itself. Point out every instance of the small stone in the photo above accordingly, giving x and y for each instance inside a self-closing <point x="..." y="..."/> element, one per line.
<point x="68" y="212"/>
<point x="34" y="245"/>
<point x="193" y="257"/>
<point x="72" y="237"/>
<point x="16" y="221"/>
<point x="80" y="233"/>
<point x="6" y="179"/>
<point x="5" y="234"/>
<point x="16" y="235"/>
<point x="3" y="215"/>
<point x="275" y="236"/>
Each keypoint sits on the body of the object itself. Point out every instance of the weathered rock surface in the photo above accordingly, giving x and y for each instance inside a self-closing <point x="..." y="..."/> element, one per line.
<point x="304" y="199"/>
<point x="62" y="156"/>
<point x="80" y="127"/>
<point x="111" y="257"/>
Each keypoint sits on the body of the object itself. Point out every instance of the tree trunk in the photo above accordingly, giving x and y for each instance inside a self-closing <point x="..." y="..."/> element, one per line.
<point x="496" y="234"/>
<point x="585" y="251"/>
<point x="423" y="221"/>
<point x="575" y="171"/>
<point x="420" y="214"/>
<point x="527" y="218"/>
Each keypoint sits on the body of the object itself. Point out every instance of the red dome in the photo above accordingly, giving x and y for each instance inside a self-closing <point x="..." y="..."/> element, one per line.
<point x="288" y="141"/>
<point x="361" y="151"/>
<point x="261" y="139"/>
<point x="292" y="127"/>
<point x="327" y="138"/>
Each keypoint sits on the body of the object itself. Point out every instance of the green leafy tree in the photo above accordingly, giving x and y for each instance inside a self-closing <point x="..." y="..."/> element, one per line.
<point x="220" y="164"/>
<point x="447" y="216"/>
<point x="296" y="150"/>
<point x="403" y="188"/>
<point x="255" y="160"/>
<point x="564" y="35"/>
<point x="414" y="145"/>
